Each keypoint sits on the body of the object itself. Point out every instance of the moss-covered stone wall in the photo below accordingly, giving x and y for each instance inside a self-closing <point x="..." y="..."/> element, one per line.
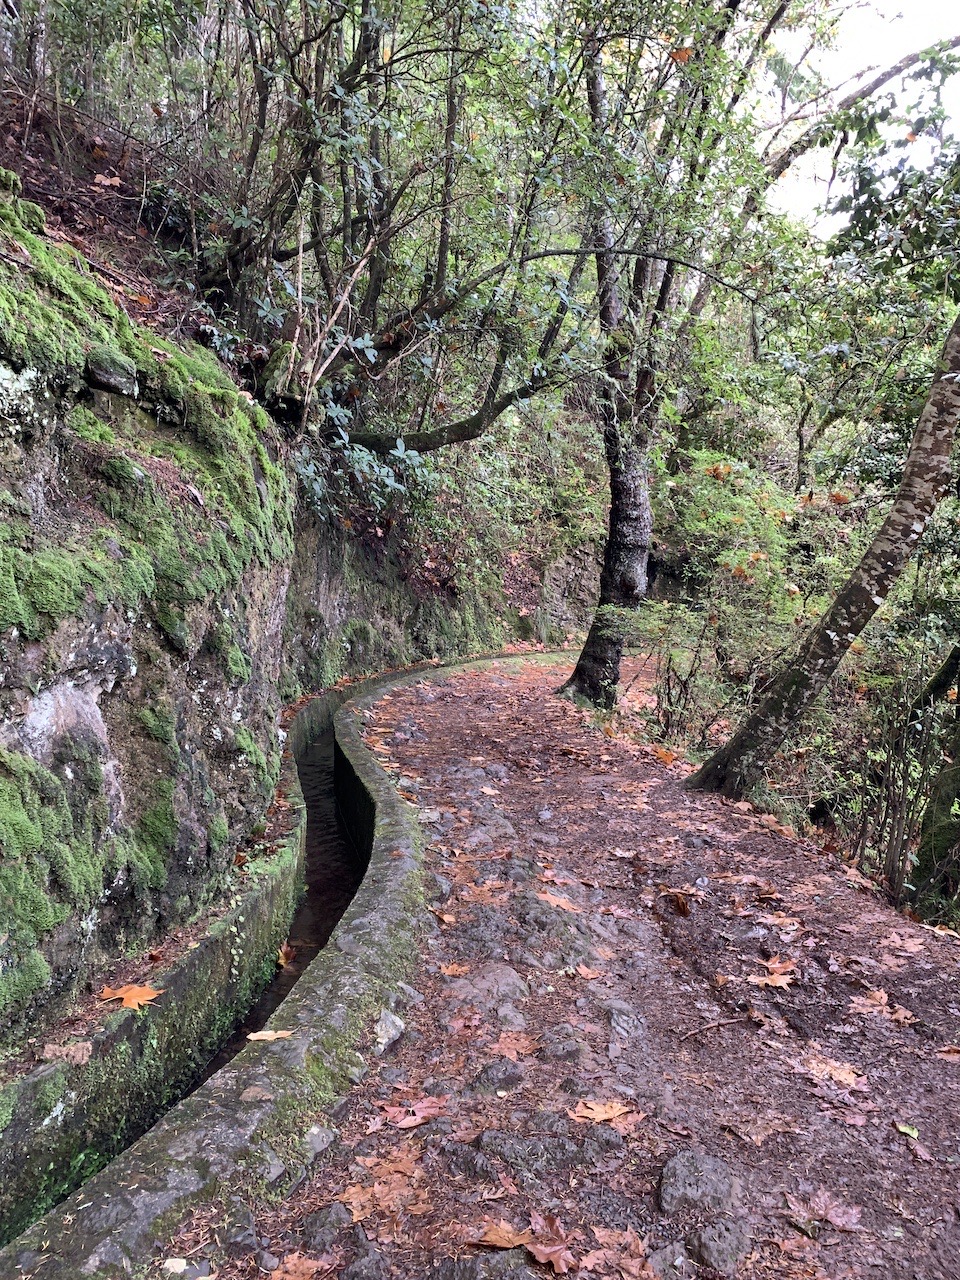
<point x="162" y="593"/>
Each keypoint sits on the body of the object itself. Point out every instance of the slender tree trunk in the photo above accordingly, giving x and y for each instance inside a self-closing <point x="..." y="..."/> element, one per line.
<point x="926" y="477"/>
<point x="623" y="579"/>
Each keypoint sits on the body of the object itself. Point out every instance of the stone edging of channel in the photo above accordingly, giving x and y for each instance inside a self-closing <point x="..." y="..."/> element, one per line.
<point x="247" y="1125"/>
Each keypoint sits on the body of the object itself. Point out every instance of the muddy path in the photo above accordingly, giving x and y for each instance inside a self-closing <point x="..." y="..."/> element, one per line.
<point x="649" y="1034"/>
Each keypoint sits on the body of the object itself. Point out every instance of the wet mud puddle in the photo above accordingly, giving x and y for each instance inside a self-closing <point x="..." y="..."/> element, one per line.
<point x="334" y="868"/>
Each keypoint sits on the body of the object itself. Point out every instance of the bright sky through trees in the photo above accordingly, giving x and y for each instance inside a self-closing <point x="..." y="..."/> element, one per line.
<point x="869" y="37"/>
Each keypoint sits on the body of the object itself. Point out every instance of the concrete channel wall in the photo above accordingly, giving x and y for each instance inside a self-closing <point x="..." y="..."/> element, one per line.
<point x="258" y="1122"/>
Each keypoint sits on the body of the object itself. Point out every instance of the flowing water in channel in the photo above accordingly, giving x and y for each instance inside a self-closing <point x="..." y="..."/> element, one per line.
<point x="334" y="869"/>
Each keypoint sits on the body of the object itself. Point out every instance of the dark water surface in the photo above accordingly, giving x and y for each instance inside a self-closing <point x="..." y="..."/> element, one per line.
<point x="334" y="869"/>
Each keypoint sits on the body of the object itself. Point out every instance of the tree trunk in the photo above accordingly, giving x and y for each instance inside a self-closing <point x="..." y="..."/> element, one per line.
<point x="926" y="477"/>
<point x="623" y="579"/>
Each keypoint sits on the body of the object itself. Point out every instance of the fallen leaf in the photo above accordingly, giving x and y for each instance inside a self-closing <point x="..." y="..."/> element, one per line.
<point x="269" y="1035"/>
<point x="878" y="1002"/>
<point x="501" y="1235"/>
<point x="910" y="1130"/>
<point x="511" y="1044"/>
<point x="556" y="1255"/>
<point x="454" y="970"/>
<point x="555" y="900"/>
<point x="662" y="754"/>
<point x="131" y="996"/>
<point x="950" y="1052"/>
<point x="76" y="1053"/>
<point x="822" y="1068"/>
<point x="588" y="1111"/>
<point x="297" y="1266"/>
<point x="286" y="955"/>
<point x="587" y="973"/>
<point x="101" y="180"/>
<point x="770" y="979"/>
<point x="410" y="1115"/>
<point x="823" y="1206"/>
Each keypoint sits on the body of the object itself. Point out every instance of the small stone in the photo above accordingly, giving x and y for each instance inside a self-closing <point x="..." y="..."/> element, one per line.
<point x="510" y="1017"/>
<point x="671" y="1262"/>
<point x="238" y="1234"/>
<point x="500" y="1075"/>
<point x="267" y="1261"/>
<point x="320" y="1229"/>
<point x="720" y="1245"/>
<point x="693" y="1180"/>
<point x="317" y="1139"/>
<point x="509" y="1265"/>
<point x="369" y="1266"/>
<point x="109" y="370"/>
<point x="624" y="1021"/>
<point x="274" y="1168"/>
<point x="388" y="1031"/>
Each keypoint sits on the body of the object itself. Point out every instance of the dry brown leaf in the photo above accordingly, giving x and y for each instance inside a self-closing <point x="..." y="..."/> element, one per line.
<point x="770" y="979"/>
<point x="454" y="970"/>
<point x="822" y="1068"/>
<point x="76" y="1054"/>
<point x="587" y="973"/>
<point x="590" y="1111"/>
<point x="131" y="996"/>
<point x="269" y="1035"/>
<point x="949" y="1052"/>
<point x="410" y="1115"/>
<point x="501" y="1235"/>
<point x="286" y="955"/>
<point x="878" y="1002"/>
<point x="511" y="1044"/>
<point x="297" y="1266"/>
<point x="555" y="1254"/>
<point x="555" y="900"/>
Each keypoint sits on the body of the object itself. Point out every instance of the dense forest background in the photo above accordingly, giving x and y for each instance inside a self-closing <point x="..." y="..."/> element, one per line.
<point x="496" y="270"/>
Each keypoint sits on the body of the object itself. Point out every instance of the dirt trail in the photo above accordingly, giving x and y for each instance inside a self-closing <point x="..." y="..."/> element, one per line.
<point x="649" y="1034"/>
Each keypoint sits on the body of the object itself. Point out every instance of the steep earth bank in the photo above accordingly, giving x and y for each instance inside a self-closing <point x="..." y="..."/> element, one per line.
<point x="162" y="593"/>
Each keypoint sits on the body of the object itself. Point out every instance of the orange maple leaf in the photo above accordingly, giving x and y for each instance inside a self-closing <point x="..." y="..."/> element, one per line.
<point x="590" y="1111"/>
<point x="131" y="996"/>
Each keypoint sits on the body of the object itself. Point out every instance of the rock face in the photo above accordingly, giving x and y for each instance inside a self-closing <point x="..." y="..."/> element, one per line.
<point x="162" y="595"/>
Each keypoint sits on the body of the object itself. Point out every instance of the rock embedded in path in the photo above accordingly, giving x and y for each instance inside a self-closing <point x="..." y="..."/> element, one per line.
<point x="625" y="1022"/>
<point x="498" y="1076"/>
<point x="693" y="1180"/>
<point x="672" y="1262"/>
<point x="720" y="1245"/>
<point x="509" y="1265"/>
<point x="388" y="1031"/>
<point x="491" y="985"/>
<point x="369" y="1266"/>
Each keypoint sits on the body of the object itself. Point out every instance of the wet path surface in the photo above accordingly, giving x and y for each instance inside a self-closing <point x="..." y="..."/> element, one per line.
<point x="334" y="870"/>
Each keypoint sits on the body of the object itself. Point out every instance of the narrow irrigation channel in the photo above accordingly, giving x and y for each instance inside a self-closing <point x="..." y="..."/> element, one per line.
<point x="333" y="870"/>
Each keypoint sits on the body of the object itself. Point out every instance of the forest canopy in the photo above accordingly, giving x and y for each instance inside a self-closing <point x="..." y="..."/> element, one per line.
<point x="555" y="227"/>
